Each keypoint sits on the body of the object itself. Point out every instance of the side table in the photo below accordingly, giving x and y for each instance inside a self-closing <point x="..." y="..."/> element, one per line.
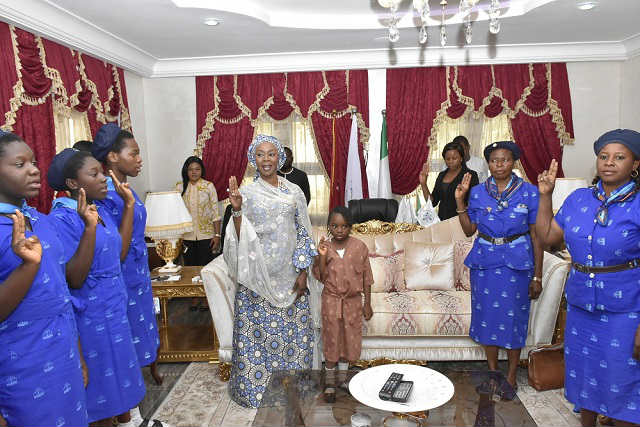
<point x="183" y="342"/>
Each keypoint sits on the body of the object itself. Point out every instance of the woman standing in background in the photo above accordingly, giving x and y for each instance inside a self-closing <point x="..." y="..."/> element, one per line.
<point x="201" y="199"/>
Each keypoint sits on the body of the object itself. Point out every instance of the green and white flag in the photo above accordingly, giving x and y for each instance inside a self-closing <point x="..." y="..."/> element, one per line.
<point x="384" y="178"/>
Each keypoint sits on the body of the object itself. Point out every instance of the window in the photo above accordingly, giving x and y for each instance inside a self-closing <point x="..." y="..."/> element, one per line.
<point x="295" y="133"/>
<point x="71" y="126"/>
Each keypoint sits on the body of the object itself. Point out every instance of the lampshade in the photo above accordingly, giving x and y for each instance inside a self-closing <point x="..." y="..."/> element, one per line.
<point x="167" y="215"/>
<point x="564" y="187"/>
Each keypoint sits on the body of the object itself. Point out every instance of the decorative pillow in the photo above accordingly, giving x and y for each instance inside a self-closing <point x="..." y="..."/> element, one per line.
<point x="384" y="245"/>
<point x="422" y="236"/>
<point x="400" y="240"/>
<point x="428" y="266"/>
<point x="387" y="272"/>
<point x="461" y="249"/>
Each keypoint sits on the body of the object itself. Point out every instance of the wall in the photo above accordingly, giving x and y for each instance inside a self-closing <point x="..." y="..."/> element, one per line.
<point x="595" y="100"/>
<point x="630" y="94"/>
<point x="135" y="95"/>
<point x="165" y="125"/>
<point x="604" y="96"/>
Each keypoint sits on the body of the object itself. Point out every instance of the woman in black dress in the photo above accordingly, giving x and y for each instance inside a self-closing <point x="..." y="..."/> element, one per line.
<point x="445" y="187"/>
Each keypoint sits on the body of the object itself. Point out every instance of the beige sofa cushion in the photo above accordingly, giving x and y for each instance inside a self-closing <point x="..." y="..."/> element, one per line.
<point x="424" y="313"/>
<point x="461" y="273"/>
<point x="387" y="272"/>
<point x="428" y="266"/>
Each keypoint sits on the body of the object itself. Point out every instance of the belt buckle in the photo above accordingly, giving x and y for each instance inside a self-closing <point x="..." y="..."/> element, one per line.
<point x="498" y="240"/>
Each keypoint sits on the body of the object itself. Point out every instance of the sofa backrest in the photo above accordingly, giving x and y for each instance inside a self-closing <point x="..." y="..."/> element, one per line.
<point x="385" y="238"/>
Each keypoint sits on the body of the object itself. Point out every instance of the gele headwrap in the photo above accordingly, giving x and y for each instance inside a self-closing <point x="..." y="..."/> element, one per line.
<point x="259" y="139"/>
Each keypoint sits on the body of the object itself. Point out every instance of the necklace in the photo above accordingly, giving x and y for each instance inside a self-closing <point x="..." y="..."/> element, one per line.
<point x="287" y="173"/>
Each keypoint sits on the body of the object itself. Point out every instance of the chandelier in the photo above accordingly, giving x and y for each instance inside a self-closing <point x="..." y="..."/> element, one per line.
<point x="424" y="11"/>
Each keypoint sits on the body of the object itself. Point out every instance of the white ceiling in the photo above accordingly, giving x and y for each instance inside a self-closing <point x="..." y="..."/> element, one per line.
<point x="161" y="38"/>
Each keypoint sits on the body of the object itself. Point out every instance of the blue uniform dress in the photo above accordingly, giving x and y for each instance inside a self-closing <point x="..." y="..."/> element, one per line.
<point x="603" y="310"/>
<point x="135" y="270"/>
<point x="40" y="374"/>
<point x="500" y="274"/>
<point x="115" y="379"/>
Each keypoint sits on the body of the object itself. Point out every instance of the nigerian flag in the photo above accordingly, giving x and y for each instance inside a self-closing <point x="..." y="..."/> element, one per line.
<point x="384" y="179"/>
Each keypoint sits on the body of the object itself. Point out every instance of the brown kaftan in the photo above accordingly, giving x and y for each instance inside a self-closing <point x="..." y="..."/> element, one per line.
<point x="344" y="281"/>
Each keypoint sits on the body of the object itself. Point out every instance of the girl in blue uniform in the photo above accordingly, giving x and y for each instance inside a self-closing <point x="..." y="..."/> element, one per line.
<point x="41" y="380"/>
<point x="93" y="245"/>
<point x="118" y="150"/>
<point x="601" y="228"/>
<point x="506" y="258"/>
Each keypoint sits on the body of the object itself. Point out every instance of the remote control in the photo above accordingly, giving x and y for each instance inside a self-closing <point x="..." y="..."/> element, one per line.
<point x="402" y="392"/>
<point x="389" y="387"/>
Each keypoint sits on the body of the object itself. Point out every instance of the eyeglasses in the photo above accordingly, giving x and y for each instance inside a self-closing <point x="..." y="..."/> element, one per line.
<point x="500" y="161"/>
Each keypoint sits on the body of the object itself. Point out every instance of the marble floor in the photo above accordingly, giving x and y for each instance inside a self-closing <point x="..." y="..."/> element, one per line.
<point x="193" y="395"/>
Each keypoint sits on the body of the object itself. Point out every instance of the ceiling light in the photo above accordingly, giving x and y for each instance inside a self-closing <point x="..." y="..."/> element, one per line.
<point x="212" y="22"/>
<point x="466" y="8"/>
<point x="587" y="5"/>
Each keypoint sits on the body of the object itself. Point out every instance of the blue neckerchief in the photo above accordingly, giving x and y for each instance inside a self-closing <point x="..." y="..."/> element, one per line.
<point x="65" y="202"/>
<point x="110" y="185"/>
<point x="515" y="182"/>
<point x="621" y="194"/>
<point x="27" y="211"/>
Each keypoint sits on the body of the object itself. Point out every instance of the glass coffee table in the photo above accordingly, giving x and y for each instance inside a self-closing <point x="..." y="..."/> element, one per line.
<point x="294" y="398"/>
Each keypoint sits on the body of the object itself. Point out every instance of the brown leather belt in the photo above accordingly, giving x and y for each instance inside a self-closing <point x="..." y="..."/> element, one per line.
<point x="634" y="263"/>
<point x="500" y="240"/>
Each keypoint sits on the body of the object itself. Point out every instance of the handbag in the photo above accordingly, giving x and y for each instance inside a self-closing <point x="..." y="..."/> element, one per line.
<point x="546" y="367"/>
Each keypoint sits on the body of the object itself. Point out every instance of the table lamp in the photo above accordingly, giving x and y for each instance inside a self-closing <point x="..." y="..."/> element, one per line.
<point x="564" y="187"/>
<point x="167" y="221"/>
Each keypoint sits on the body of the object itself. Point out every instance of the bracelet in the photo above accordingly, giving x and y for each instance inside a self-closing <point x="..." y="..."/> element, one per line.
<point x="217" y="235"/>
<point x="462" y="211"/>
<point x="236" y="214"/>
<point x="537" y="279"/>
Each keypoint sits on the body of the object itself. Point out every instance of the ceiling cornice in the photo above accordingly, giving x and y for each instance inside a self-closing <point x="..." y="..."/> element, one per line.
<point x="632" y="45"/>
<point x="57" y="24"/>
<point x="385" y="58"/>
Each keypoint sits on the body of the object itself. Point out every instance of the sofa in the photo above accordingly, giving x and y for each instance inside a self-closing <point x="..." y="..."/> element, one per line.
<point x="421" y="297"/>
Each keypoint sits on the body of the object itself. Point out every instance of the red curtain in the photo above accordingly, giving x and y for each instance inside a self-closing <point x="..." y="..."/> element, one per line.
<point x="44" y="78"/>
<point x="535" y="96"/>
<point x="413" y="98"/>
<point x="227" y="107"/>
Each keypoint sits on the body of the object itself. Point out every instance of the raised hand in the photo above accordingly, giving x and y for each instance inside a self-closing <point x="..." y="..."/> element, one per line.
<point x="463" y="187"/>
<point x="323" y="246"/>
<point x="235" y="198"/>
<point x="87" y="212"/>
<point x="424" y="173"/>
<point x="28" y="249"/>
<point x="547" y="179"/>
<point x="123" y="190"/>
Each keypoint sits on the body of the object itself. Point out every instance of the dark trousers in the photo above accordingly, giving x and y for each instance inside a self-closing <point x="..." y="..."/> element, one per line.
<point x="198" y="252"/>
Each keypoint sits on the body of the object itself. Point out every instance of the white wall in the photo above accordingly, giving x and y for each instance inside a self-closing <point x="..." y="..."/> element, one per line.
<point x="135" y="95"/>
<point x="630" y="94"/>
<point x="170" y="121"/>
<point x="595" y="100"/>
<point x="604" y="96"/>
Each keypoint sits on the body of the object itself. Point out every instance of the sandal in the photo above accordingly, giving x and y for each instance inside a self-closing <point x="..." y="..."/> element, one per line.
<point x="329" y="394"/>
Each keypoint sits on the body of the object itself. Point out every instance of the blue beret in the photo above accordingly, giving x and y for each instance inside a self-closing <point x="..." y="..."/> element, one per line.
<point x="105" y="137"/>
<point x="55" y="174"/>
<point x="507" y="145"/>
<point x="627" y="137"/>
